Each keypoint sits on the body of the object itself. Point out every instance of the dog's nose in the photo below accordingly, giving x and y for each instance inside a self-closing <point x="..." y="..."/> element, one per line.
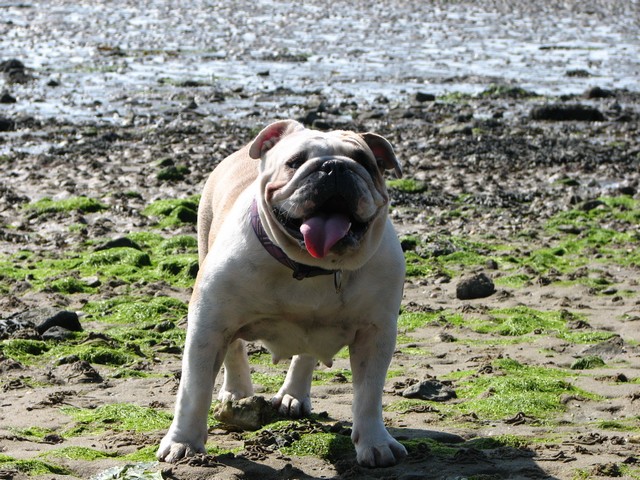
<point x="333" y="167"/>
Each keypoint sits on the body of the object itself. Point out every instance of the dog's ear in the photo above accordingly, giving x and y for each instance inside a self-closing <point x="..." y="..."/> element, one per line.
<point x="383" y="151"/>
<point x="271" y="135"/>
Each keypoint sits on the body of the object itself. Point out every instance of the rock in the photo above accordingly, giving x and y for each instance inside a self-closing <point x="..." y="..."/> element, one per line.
<point x="477" y="286"/>
<point x="118" y="243"/>
<point x="457" y="129"/>
<point x="424" y="97"/>
<point x="5" y="97"/>
<point x="608" y="349"/>
<point x="14" y="71"/>
<point x="11" y="64"/>
<point x="430" y="390"/>
<point x="578" y="73"/>
<point x="562" y="112"/>
<point x="50" y="317"/>
<point x="597" y="92"/>
<point x="79" y="372"/>
<point x="40" y="320"/>
<point x="57" y="333"/>
<point x="91" y="282"/>
<point x="249" y="413"/>
<point x="6" y="124"/>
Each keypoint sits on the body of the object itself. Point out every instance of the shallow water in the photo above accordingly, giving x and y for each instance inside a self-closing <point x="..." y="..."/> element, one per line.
<point x="118" y="60"/>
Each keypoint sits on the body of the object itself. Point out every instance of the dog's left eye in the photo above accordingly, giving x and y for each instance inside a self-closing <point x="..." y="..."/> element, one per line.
<point x="297" y="160"/>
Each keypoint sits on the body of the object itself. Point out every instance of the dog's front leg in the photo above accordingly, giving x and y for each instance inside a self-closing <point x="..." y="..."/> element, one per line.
<point x="205" y="348"/>
<point x="371" y="354"/>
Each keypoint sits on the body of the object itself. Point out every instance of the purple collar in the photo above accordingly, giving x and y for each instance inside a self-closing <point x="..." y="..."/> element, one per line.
<point x="300" y="271"/>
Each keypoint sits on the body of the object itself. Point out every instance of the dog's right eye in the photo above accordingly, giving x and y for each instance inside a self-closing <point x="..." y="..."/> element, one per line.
<point x="297" y="160"/>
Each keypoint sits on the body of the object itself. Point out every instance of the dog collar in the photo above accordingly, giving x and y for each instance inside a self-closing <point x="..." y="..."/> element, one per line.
<point x="300" y="270"/>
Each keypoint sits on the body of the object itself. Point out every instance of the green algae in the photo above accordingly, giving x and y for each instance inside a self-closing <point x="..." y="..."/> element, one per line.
<point x="174" y="212"/>
<point x="325" y="377"/>
<point x="23" y="350"/>
<point x="605" y="230"/>
<point x="445" y="255"/>
<point x="125" y="256"/>
<point x="606" y="234"/>
<point x="407" y="185"/>
<point x="123" y="346"/>
<point x="33" y="433"/>
<point x="31" y="467"/>
<point x="532" y="390"/>
<point x="327" y="446"/>
<point x="78" y="453"/>
<point x="588" y="362"/>
<point x="80" y="204"/>
<point x="270" y="382"/>
<point x="118" y="417"/>
<point x="172" y="260"/>
<point x="512" y="388"/>
<point x="136" y="310"/>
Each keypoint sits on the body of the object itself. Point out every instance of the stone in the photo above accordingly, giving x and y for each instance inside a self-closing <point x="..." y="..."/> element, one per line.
<point x="249" y="413"/>
<point x="477" y="286"/>
<point x="425" y="97"/>
<point x="597" y="92"/>
<point x="567" y="112"/>
<point x="119" y="242"/>
<point x="430" y="390"/>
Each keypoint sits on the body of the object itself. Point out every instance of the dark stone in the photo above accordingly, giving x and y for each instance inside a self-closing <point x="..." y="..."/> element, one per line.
<point x="425" y="97"/>
<point x="477" y="286"/>
<point x="597" y="92"/>
<point x="118" y="243"/>
<point x="608" y="349"/>
<point x="50" y="317"/>
<point x="57" y="333"/>
<point x="12" y="64"/>
<point x="5" y="97"/>
<point x="430" y="390"/>
<point x="571" y="112"/>
<point x="186" y="215"/>
<point x="6" y="124"/>
<point x="589" y="205"/>
<point x="578" y="73"/>
<point x="41" y="320"/>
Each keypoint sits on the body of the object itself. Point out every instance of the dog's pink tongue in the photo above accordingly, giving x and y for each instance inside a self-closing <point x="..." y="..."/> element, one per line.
<point x="323" y="232"/>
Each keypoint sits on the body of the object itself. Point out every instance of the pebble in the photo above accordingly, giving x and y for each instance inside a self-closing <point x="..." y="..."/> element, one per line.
<point x="5" y="97"/>
<point x="430" y="390"/>
<point x="425" y="97"/>
<point x="118" y="243"/>
<point x="6" y="124"/>
<point x="568" y="112"/>
<point x="476" y="286"/>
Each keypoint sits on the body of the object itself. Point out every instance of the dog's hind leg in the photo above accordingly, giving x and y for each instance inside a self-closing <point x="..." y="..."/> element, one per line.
<point x="293" y="399"/>
<point x="237" y="373"/>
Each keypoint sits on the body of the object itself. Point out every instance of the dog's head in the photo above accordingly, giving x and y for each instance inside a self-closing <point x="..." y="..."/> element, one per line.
<point x="323" y="198"/>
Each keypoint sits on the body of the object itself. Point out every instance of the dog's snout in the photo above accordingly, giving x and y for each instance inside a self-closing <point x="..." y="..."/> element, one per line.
<point x="333" y="167"/>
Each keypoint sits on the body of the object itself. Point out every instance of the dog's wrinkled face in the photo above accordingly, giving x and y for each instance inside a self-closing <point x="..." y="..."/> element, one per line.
<point x="323" y="196"/>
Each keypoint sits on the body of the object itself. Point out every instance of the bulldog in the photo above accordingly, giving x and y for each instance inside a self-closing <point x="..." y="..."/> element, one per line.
<point x="296" y="250"/>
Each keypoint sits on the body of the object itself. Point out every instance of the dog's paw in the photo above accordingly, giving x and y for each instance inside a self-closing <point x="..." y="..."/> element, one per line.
<point x="290" y="406"/>
<point x="382" y="453"/>
<point x="225" y="395"/>
<point x="171" y="452"/>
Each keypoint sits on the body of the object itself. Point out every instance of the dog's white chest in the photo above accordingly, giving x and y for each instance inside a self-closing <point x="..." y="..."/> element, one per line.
<point x="286" y="335"/>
